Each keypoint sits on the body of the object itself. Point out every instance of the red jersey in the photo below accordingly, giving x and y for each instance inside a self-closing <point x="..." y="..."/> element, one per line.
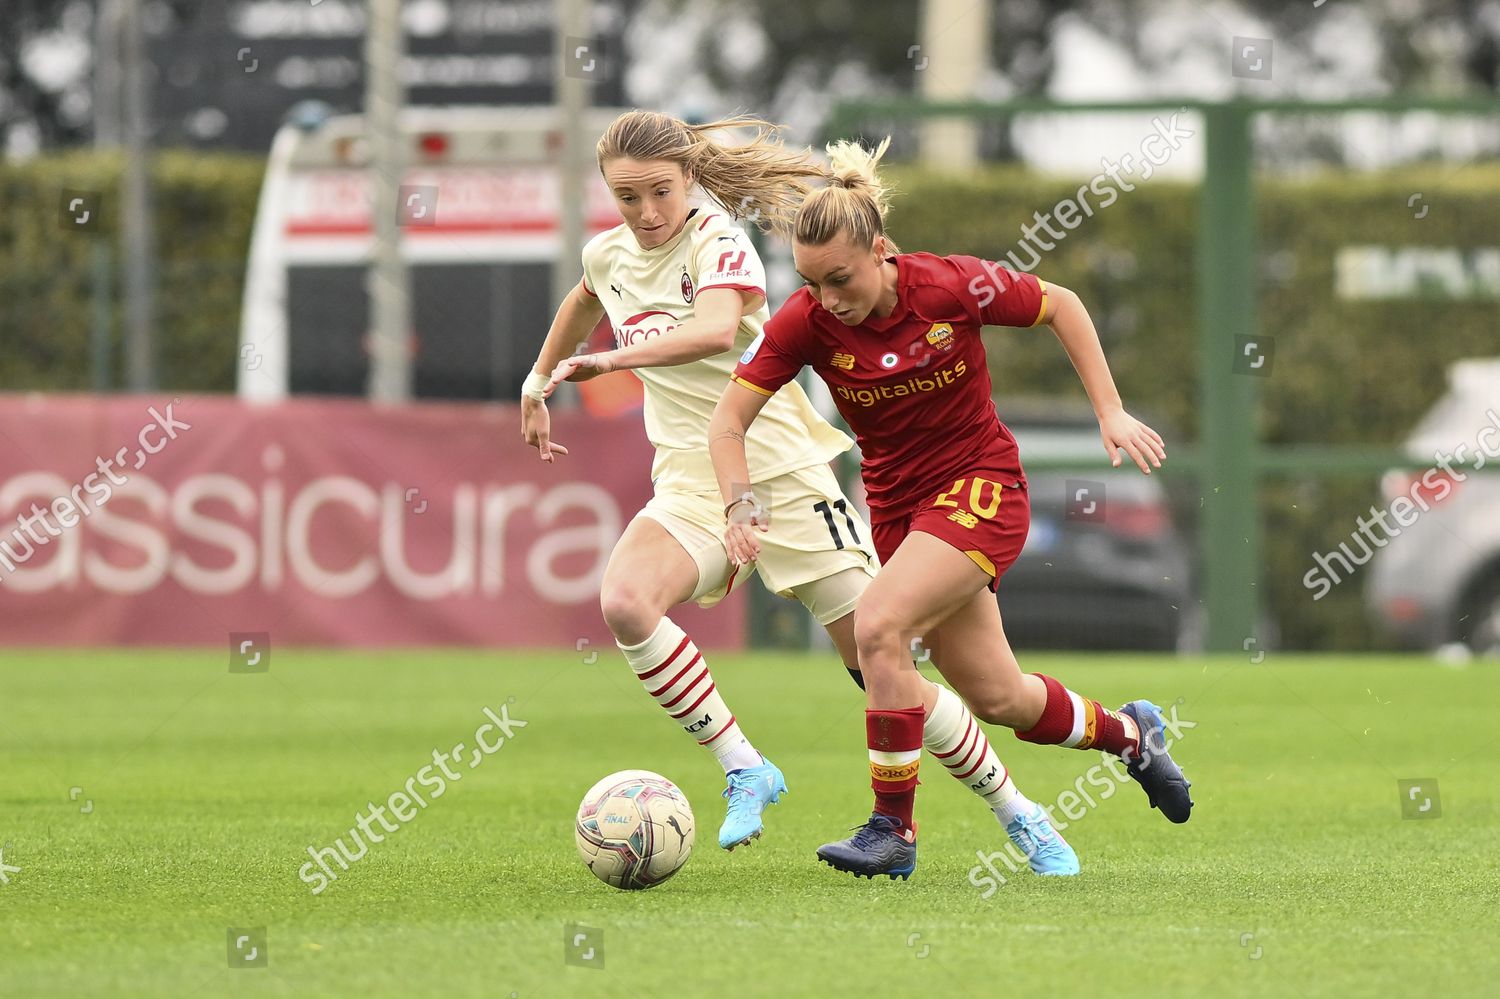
<point x="913" y="386"/>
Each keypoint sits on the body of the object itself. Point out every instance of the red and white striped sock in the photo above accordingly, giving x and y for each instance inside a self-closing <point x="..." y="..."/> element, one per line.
<point x="1079" y="723"/>
<point x="953" y="736"/>
<point x="675" y="675"/>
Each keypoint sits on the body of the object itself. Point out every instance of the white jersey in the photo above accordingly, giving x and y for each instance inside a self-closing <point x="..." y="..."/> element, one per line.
<point x="650" y="293"/>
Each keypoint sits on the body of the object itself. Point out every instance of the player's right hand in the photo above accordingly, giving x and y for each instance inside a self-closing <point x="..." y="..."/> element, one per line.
<point x="739" y="537"/>
<point x="536" y="428"/>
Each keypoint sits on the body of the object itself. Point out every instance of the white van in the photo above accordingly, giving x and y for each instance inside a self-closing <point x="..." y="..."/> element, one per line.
<point x="481" y="259"/>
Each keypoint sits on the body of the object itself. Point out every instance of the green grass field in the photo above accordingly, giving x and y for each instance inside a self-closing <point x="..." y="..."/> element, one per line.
<point x="1297" y="875"/>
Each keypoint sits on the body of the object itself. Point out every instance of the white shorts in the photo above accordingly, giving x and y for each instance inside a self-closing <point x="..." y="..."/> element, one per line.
<point x="815" y="536"/>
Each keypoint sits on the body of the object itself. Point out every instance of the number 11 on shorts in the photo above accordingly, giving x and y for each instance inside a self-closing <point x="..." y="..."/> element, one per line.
<point x="839" y="504"/>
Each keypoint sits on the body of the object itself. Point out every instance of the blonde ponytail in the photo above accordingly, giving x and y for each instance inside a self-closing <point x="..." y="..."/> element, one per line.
<point x="855" y="201"/>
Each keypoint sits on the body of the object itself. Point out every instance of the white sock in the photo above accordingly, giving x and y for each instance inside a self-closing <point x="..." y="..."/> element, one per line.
<point x="952" y="734"/>
<point x="673" y="672"/>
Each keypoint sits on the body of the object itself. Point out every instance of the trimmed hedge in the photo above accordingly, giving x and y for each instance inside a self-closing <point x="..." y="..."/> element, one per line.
<point x="205" y="207"/>
<point x="1345" y="372"/>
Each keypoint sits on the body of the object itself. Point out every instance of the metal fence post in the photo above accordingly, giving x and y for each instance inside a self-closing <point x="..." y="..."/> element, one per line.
<point x="99" y="293"/>
<point x="1227" y="378"/>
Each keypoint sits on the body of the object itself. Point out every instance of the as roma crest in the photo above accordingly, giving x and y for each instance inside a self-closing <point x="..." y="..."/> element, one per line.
<point x="941" y="336"/>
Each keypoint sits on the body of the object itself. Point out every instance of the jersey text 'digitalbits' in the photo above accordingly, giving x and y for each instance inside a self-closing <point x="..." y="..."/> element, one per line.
<point x="870" y="396"/>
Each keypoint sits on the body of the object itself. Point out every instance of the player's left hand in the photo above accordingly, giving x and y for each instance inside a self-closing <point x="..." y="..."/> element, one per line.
<point x="1121" y="431"/>
<point x="739" y="537"/>
<point x="579" y="368"/>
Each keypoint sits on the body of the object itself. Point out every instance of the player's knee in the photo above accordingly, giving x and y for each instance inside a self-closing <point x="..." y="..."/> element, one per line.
<point x="996" y="705"/>
<point x="630" y="614"/>
<point x="874" y="629"/>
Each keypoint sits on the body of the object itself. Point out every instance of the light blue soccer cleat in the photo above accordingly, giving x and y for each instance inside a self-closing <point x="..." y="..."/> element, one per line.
<point x="750" y="790"/>
<point x="1046" y="851"/>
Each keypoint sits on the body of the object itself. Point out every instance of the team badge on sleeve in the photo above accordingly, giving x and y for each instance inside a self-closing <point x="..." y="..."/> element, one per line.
<point x="750" y="351"/>
<point x="687" y="287"/>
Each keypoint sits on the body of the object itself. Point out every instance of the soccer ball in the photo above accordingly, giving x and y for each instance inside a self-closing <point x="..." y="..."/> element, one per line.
<point x="634" y="829"/>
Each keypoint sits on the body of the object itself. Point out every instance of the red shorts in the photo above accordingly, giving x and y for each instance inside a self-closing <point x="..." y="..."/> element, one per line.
<point x="984" y="514"/>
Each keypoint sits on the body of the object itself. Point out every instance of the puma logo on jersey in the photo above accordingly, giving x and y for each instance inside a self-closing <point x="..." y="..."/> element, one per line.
<point x="616" y="289"/>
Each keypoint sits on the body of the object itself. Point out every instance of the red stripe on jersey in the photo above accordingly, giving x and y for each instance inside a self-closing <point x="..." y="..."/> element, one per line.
<point x="705" y="220"/>
<point x="967" y="732"/>
<point x="704" y="742"/>
<point x="747" y="288"/>
<point x="685" y="670"/>
<point x="586" y="288"/>
<point x="670" y="659"/>
<point x="684" y="692"/>
<point x="694" y="706"/>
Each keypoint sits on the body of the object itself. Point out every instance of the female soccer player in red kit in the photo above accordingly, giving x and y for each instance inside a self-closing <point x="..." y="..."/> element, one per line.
<point x="896" y="338"/>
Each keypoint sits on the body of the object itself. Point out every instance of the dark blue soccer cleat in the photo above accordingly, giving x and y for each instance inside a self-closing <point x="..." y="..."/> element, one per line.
<point x="1153" y="769"/>
<point x="880" y="846"/>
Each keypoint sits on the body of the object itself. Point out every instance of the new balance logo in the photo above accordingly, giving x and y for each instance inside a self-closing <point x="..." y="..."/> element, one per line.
<point x="700" y="724"/>
<point x="845" y="361"/>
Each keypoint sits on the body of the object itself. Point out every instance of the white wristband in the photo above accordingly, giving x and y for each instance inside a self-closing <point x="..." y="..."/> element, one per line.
<point x="533" y="386"/>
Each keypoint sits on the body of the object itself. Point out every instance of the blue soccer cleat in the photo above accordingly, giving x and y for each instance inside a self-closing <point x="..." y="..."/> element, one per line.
<point x="1153" y="769"/>
<point x="750" y="790"/>
<point x="1046" y="851"/>
<point x="880" y="846"/>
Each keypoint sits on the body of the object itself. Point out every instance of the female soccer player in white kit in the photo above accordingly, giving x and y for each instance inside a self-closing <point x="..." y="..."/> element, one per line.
<point x="685" y="292"/>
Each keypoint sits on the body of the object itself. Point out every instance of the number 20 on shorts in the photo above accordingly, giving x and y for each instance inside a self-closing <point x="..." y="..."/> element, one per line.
<point x="977" y="504"/>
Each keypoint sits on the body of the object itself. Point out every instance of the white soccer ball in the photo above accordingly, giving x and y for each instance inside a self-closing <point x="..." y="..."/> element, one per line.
<point x="634" y="829"/>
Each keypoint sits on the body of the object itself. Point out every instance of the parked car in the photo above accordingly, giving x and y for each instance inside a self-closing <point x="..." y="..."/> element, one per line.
<point x="1437" y="582"/>
<point x="1103" y="567"/>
